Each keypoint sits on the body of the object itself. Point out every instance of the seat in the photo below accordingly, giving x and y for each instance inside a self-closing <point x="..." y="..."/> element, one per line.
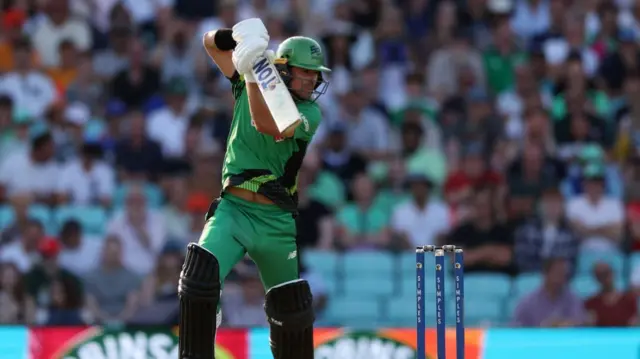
<point x="349" y="310"/>
<point x="587" y="259"/>
<point x="38" y="212"/>
<point x="402" y="309"/>
<point x="634" y="261"/>
<point x="479" y="312"/>
<point x="367" y="264"/>
<point x="487" y="285"/>
<point x="5" y="216"/>
<point x="323" y="262"/>
<point x="585" y="286"/>
<point x="380" y="285"/>
<point x="93" y="219"/>
<point x="526" y="283"/>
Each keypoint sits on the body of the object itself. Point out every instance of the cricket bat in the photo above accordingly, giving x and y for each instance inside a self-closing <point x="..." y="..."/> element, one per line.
<point x="276" y="95"/>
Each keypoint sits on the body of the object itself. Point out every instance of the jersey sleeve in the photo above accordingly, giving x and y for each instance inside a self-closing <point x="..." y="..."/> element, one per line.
<point x="311" y="116"/>
<point x="237" y="84"/>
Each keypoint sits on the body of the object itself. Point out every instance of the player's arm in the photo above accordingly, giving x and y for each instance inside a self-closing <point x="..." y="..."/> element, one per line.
<point x="219" y="45"/>
<point x="260" y="113"/>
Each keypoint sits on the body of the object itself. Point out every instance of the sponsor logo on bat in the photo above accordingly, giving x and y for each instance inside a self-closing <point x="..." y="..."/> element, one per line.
<point x="266" y="74"/>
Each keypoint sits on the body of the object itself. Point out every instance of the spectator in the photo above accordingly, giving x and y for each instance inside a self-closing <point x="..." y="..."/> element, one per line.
<point x="360" y="224"/>
<point x="611" y="307"/>
<point x="176" y="211"/>
<point x="337" y="157"/>
<point x="138" y="157"/>
<point x="39" y="280"/>
<point x="446" y="63"/>
<point x="66" y="305"/>
<point x="488" y="245"/>
<point x="245" y="307"/>
<point x="13" y="21"/>
<point x="546" y="235"/>
<point x="20" y="205"/>
<point x="79" y="253"/>
<point x="367" y="130"/>
<point x="67" y="71"/>
<point x="315" y="223"/>
<point x="56" y="26"/>
<point x="87" y="180"/>
<point x="168" y="125"/>
<point x="553" y="304"/>
<point x="112" y="289"/>
<point x="141" y="232"/>
<point x="135" y="85"/>
<point x="112" y="60"/>
<point x="502" y="58"/>
<point x="423" y="220"/>
<point x="14" y="127"/>
<point x="23" y="251"/>
<point x="70" y="134"/>
<point x="15" y="306"/>
<point x="159" y="292"/>
<point x="597" y="218"/>
<point x="29" y="89"/>
<point x="35" y="173"/>
<point x="85" y="88"/>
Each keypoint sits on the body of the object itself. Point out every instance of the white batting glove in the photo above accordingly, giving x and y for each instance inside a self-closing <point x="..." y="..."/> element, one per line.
<point x="249" y="29"/>
<point x="248" y="76"/>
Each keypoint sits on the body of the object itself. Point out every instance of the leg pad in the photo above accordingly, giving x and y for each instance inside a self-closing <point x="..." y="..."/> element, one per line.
<point x="289" y="309"/>
<point x="199" y="292"/>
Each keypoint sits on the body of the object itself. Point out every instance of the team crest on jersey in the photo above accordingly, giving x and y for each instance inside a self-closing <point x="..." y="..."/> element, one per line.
<point x="279" y="139"/>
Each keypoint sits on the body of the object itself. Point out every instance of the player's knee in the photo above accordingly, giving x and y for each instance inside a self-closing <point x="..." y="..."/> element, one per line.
<point x="200" y="276"/>
<point x="290" y="306"/>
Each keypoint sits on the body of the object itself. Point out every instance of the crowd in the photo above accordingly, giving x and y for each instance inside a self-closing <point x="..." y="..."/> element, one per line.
<point x="507" y="127"/>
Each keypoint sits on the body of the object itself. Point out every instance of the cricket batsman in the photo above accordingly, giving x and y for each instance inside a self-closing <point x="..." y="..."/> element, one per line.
<point x="256" y="210"/>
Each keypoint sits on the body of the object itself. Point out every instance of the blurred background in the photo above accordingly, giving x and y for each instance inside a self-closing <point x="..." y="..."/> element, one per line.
<point x="508" y="127"/>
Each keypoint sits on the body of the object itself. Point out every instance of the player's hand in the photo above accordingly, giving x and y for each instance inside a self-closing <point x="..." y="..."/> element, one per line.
<point x="249" y="29"/>
<point x="270" y="55"/>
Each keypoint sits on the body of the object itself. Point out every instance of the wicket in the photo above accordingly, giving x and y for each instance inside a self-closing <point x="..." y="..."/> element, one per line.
<point x="439" y="253"/>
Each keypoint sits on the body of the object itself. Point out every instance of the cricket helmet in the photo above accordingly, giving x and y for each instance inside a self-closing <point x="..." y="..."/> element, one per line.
<point x="306" y="53"/>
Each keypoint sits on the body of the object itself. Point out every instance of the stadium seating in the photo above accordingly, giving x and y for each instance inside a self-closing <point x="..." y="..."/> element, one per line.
<point x="38" y="212"/>
<point x="370" y="281"/>
<point x="587" y="260"/>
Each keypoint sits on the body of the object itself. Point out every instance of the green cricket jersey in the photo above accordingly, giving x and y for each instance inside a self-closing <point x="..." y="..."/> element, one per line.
<point x="262" y="163"/>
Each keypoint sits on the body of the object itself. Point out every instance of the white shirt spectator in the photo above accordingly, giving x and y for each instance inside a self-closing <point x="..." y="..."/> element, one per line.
<point x="83" y="259"/>
<point x="87" y="186"/>
<point x="14" y="253"/>
<point x="47" y="38"/>
<point x="556" y="52"/>
<point x="19" y="174"/>
<point x="136" y="256"/>
<point x="33" y="92"/>
<point x="528" y="21"/>
<point x="97" y="10"/>
<point x="421" y="225"/>
<point x="169" y="129"/>
<point x="368" y="132"/>
<point x="606" y="212"/>
<point x="145" y="10"/>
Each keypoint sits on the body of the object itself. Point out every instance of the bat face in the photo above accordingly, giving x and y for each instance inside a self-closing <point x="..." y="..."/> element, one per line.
<point x="276" y="95"/>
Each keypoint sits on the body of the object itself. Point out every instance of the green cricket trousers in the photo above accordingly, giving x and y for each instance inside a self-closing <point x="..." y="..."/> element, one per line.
<point x="267" y="233"/>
